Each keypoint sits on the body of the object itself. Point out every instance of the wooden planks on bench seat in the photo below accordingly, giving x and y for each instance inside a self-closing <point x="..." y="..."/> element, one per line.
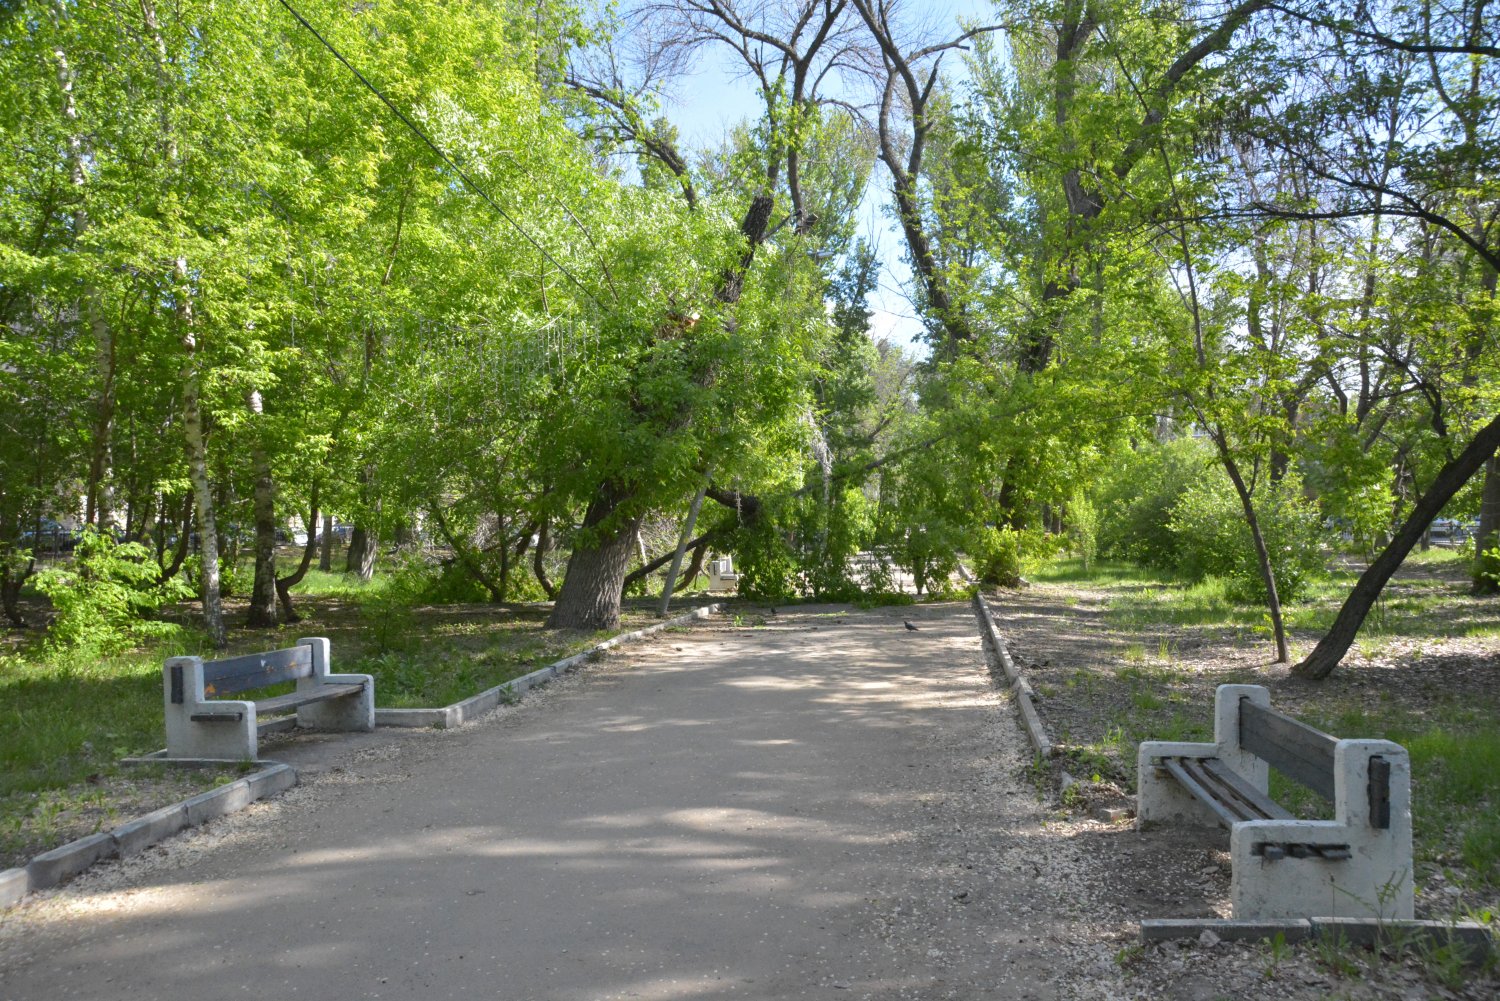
<point x="281" y="703"/>
<point x="1230" y="797"/>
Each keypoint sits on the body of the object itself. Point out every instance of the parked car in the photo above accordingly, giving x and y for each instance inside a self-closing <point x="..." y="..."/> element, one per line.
<point x="50" y="536"/>
<point x="1444" y="528"/>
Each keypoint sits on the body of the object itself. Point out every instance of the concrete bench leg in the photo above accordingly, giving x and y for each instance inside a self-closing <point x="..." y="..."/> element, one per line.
<point x="352" y="712"/>
<point x="231" y="740"/>
<point x="1375" y="882"/>
<point x="1159" y="799"/>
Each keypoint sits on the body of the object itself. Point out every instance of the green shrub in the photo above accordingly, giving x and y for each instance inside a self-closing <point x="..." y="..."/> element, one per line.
<point x="1137" y="496"/>
<point x="930" y="553"/>
<point x="1005" y="557"/>
<point x="1213" y="539"/>
<point x="1083" y="528"/>
<point x="766" y="565"/>
<point x="106" y="596"/>
<point x="1486" y="568"/>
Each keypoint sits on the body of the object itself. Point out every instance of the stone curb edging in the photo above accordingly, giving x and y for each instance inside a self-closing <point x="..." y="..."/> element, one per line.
<point x="61" y="864"/>
<point x="1020" y="688"/>
<point x="475" y="706"/>
<point x="1475" y="940"/>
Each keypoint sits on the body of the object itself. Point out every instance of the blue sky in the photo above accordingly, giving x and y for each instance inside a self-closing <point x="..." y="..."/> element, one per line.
<point x="716" y="98"/>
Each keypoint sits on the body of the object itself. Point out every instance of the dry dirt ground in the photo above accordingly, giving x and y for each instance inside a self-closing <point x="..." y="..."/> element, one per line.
<point x="1090" y="674"/>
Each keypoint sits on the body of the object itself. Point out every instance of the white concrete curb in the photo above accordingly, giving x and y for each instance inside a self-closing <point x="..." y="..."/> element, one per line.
<point x="475" y="706"/>
<point x="1020" y="688"/>
<point x="61" y="864"/>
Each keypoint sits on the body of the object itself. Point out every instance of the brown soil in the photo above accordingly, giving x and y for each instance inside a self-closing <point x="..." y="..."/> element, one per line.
<point x="1090" y="674"/>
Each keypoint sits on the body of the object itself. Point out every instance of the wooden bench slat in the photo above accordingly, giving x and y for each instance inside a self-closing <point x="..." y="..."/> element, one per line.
<point x="1300" y="752"/>
<point x="283" y="703"/>
<point x="1267" y="807"/>
<point x="256" y="670"/>
<point x="1175" y="767"/>
<point x="1222" y="793"/>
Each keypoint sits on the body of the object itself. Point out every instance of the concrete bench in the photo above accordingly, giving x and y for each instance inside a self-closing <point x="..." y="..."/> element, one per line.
<point x="203" y="724"/>
<point x="1357" y="865"/>
<point x="721" y="574"/>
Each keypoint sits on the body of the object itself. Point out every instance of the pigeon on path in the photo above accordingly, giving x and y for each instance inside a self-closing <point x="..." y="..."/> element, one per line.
<point x="909" y="626"/>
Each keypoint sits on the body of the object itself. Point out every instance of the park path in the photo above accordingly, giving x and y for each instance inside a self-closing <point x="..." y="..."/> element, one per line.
<point x="823" y="805"/>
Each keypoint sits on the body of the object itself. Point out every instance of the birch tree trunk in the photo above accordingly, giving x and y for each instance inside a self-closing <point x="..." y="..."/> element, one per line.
<point x="192" y="379"/>
<point x="682" y="543"/>
<point x="263" y="594"/>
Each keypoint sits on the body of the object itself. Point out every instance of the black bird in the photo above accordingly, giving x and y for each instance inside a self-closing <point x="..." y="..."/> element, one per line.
<point x="909" y="626"/>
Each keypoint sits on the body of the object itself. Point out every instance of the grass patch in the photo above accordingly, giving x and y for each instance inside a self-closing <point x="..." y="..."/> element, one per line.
<point x="1071" y="570"/>
<point x="66" y="719"/>
<point x="1151" y="702"/>
<point x="1411" y="607"/>
<point x="463" y="661"/>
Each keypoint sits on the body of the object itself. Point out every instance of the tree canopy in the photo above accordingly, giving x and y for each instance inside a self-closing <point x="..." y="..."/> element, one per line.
<point x="448" y="270"/>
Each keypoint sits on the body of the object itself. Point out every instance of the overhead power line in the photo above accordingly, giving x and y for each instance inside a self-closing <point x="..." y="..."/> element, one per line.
<point x="468" y="181"/>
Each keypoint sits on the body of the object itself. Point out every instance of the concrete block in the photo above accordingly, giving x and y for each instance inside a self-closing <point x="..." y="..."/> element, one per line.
<point x="143" y="832"/>
<point x="270" y="781"/>
<point x="995" y="644"/>
<point x="1475" y="940"/>
<point x="417" y="718"/>
<point x="1171" y="929"/>
<point x="51" y="868"/>
<point x="1159" y="799"/>
<point x="1227" y="699"/>
<point x="1034" y="727"/>
<point x="227" y="740"/>
<point x="352" y="712"/>
<point x="217" y="802"/>
<point x="475" y="706"/>
<point x="14" y="885"/>
<point x="1375" y="882"/>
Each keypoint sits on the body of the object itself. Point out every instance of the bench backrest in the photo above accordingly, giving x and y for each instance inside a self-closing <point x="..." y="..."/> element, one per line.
<point x="255" y="670"/>
<point x="1305" y="754"/>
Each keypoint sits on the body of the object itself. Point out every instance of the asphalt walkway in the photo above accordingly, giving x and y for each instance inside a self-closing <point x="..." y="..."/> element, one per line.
<point x="822" y="805"/>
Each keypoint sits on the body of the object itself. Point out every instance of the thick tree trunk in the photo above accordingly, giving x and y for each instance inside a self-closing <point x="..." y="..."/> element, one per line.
<point x="362" y="548"/>
<point x="590" y="595"/>
<point x="1486" y="567"/>
<point x="1449" y="480"/>
<point x="284" y="585"/>
<point x="325" y="551"/>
